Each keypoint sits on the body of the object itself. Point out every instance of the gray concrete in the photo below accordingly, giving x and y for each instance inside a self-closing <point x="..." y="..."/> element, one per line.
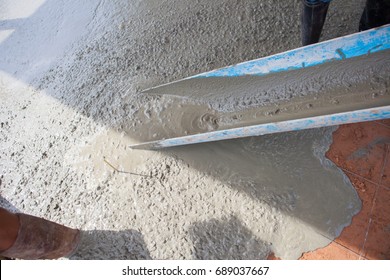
<point x="70" y="82"/>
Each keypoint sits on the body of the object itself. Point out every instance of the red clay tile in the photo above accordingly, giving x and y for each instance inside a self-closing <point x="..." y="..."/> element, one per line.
<point x="385" y="122"/>
<point x="363" y="151"/>
<point x="331" y="252"/>
<point x="366" y="191"/>
<point x="272" y="257"/>
<point x="353" y="235"/>
<point x="386" y="169"/>
<point x="360" y="148"/>
<point x="381" y="209"/>
<point x="377" y="246"/>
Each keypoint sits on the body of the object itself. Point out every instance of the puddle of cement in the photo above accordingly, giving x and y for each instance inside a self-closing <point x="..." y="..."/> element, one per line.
<point x="288" y="171"/>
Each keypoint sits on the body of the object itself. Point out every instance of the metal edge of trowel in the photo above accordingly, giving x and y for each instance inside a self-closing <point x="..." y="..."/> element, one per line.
<point x="346" y="47"/>
<point x="269" y="128"/>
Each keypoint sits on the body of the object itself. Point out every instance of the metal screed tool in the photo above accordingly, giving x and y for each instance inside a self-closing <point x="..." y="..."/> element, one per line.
<point x="372" y="46"/>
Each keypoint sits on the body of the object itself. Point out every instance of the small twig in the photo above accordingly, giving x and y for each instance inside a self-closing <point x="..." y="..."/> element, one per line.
<point x="126" y="172"/>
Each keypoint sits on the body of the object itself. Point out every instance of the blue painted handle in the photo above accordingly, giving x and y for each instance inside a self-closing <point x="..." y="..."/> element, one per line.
<point x="269" y="128"/>
<point x="358" y="44"/>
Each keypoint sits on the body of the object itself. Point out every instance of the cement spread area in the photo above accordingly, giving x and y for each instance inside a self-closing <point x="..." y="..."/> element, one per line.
<point x="71" y="77"/>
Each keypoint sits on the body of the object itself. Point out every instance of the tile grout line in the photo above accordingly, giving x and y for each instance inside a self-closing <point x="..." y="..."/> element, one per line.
<point x="357" y="175"/>
<point x="385" y="125"/>
<point x="365" y="179"/>
<point x="339" y="244"/>
<point x="374" y="200"/>
<point x="376" y="186"/>
<point x="365" y="239"/>
<point x="384" y="165"/>
<point x="345" y="247"/>
<point x="385" y="187"/>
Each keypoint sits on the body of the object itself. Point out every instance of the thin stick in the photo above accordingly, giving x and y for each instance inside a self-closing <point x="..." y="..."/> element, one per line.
<point x="121" y="171"/>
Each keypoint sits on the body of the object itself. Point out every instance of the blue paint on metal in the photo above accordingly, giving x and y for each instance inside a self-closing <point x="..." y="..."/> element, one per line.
<point x="262" y="129"/>
<point x="346" y="47"/>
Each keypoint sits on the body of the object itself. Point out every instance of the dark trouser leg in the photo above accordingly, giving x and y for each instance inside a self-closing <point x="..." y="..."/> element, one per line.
<point x="375" y="14"/>
<point x="312" y="20"/>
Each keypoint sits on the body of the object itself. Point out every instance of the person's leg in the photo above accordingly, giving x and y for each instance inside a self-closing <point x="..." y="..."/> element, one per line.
<point x="9" y="228"/>
<point x="312" y="20"/>
<point x="376" y="13"/>
<point x="30" y="237"/>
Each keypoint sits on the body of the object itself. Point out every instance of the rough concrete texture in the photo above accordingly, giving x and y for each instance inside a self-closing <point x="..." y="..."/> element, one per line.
<point x="70" y="80"/>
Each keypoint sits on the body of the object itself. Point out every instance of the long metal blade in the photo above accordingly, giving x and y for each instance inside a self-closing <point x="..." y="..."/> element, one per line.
<point x="342" y="48"/>
<point x="348" y="53"/>
<point x="269" y="128"/>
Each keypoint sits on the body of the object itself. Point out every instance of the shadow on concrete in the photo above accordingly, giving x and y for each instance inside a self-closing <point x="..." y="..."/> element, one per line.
<point x="111" y="245"/>
<point x="226" y="239"/>
<point x="103" y="244"/>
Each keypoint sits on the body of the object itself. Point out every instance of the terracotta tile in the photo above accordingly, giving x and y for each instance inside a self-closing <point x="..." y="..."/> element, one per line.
<point x="386" y="169"/>
<point x="360" y="148"/>
<point x="331" y="252"/>
<point x="385" y="122"/>
<point x="377" y="246"/>
<point x="353" y="235"/>
<point x="381" y="209"/>
<point x="272" y="257"/>
<point x="366" y="191"/>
